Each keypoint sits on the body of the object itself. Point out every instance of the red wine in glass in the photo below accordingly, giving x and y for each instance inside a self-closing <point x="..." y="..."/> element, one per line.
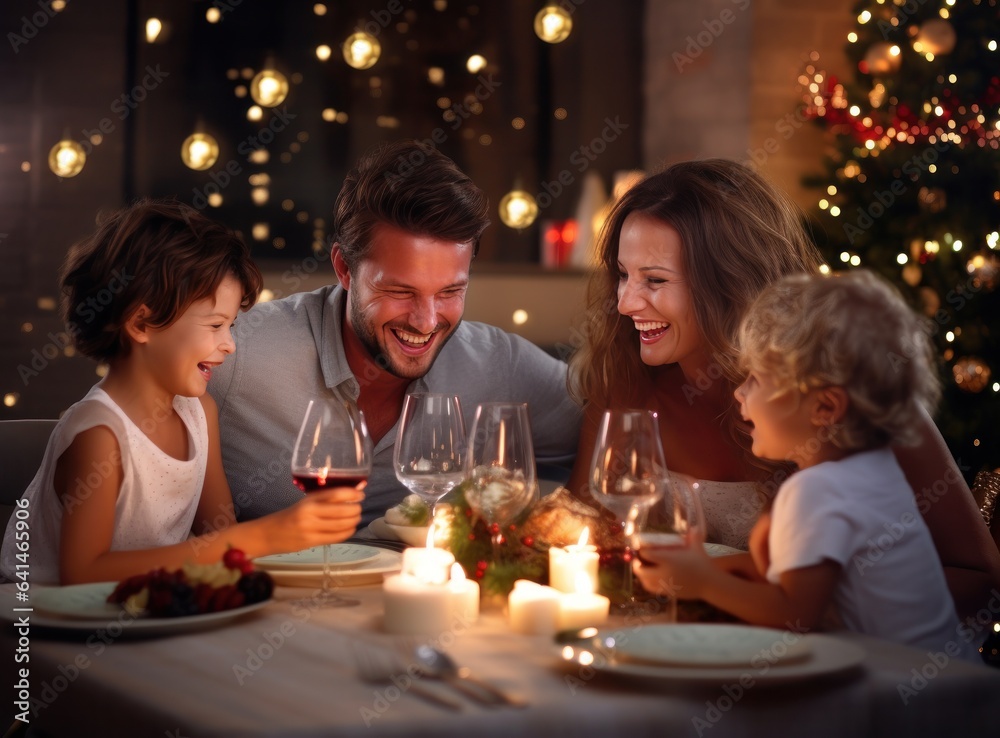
<point x="333" y="449"/>
<point x="317" y="482"/>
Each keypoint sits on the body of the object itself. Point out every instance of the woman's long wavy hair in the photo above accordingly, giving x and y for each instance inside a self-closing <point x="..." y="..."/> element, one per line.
<point x="738" y="235"/>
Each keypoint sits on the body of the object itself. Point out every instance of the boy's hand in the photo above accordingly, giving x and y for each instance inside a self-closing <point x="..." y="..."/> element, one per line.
<point x="675" y="572"/>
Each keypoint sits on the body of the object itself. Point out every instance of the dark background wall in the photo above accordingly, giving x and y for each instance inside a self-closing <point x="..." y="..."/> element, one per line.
<point x="64" y="74"/>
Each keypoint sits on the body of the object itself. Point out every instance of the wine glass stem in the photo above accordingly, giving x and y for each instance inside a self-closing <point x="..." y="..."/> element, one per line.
<point x="628" y="589"/>
<point x="496" y="540"/>
<point x="326" y="571"/>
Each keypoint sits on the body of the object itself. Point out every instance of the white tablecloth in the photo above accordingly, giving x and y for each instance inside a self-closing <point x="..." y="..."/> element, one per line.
<point x="288" y="671"/>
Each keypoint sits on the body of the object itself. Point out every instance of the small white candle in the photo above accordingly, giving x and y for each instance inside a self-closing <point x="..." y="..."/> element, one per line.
<point x="464" y="596"/>
<point x="565" y="564"/>
<point x="533" y="609"/>
<point x="430" y="565"/>
<point x="413" y="607"/>
<point x="582" y="608"/>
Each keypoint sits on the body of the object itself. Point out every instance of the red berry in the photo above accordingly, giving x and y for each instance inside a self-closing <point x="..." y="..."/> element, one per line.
<point x="234" y="558"/>
<point x="528" y="541"/>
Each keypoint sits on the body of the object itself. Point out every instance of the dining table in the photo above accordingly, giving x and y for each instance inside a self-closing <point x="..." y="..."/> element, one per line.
<point x="294" y="668"/>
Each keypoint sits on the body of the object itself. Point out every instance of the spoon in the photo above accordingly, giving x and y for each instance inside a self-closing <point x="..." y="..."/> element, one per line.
<point x="440" y="665"/>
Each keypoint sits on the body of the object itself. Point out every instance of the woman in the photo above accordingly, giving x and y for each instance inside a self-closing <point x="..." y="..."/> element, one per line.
<point x="682" y="255"/>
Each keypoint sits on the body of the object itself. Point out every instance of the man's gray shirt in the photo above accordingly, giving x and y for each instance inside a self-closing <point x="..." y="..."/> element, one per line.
<point x="291" y="350"/>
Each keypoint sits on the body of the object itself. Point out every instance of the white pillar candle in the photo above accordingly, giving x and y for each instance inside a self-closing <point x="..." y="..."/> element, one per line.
<point x="430" y="565"/>
<point x="413" y="607"/>
<point x="582" y="610"/>
<point x="533" y="609"/>
<point x="565" y="564"/>
<point x="464" y="596"/>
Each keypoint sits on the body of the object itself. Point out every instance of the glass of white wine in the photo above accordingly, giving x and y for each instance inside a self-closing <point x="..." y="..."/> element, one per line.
<point x="501" y="467"/>
<point x="628" y="475"/>
<point x="676" y="523"/>
<point x="430" y="451"/>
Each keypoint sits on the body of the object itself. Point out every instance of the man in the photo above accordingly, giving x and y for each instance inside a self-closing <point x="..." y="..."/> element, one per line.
<point x="407" y="225"/>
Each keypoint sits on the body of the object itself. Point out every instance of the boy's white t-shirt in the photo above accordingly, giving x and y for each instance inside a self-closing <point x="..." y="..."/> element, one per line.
<point x="861" y="513"/>
<point x="157" y="500"/>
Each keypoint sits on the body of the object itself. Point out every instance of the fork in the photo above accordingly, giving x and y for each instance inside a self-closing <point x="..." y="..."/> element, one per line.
<point x="377" y="665"/>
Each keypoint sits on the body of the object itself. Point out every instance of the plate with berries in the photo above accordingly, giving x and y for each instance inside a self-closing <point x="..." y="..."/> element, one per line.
<point x="161" y="601"/>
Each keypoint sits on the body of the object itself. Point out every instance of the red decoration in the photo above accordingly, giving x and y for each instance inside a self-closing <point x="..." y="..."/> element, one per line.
<point x="557" y="245"/>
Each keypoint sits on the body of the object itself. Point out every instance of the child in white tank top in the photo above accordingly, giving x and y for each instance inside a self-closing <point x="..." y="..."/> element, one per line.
<point x="132" y="477"/>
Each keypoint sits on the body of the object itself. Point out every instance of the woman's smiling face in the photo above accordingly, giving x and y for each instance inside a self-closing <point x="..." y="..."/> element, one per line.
<point x="653" y="291"/>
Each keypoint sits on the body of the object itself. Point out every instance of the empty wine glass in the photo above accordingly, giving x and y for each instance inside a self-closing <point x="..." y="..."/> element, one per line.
<point x="429" y="457"/>
<point x="677" y="522"/>
<point x="628" y="476"/>
<point x="333" y="449"/>
<point x="501" y="466"/>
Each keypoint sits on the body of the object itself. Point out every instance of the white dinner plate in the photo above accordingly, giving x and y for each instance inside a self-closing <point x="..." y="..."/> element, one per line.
<point x="827" y="655"/>
<point x="700" y="644"/>
<point x="84" y="607"/>
<point x="367" y="572"/>
<point x="719" y="549"/>
<point x="412" y="535"/>
<point x="341" y="554"/>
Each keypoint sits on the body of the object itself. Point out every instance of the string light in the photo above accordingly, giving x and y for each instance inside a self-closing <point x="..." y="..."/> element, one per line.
<point x="476" y="63"/>
<point x="362" y="50"/>
<point x="199" y="151"/>
<point x="66" y="158"/>
<point x="553" y="24"/>
<point x="269" y="88"/>
<point x="518" y="209"/>
<point x="153" y="29"/>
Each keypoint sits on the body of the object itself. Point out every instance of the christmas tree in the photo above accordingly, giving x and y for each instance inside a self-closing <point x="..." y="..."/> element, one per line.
<point x="912" y="188"/>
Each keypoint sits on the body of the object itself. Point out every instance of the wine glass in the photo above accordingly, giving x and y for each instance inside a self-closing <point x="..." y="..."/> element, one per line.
<point x="333" y="449"/>
<point x="429" y="457"/>
<point x="501" y="466"/>
<point x="628" y="476"/>
<point x="676" y="523"/>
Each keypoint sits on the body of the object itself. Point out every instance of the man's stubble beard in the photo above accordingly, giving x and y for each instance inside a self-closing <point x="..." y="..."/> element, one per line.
<point x="367" y="335"/>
